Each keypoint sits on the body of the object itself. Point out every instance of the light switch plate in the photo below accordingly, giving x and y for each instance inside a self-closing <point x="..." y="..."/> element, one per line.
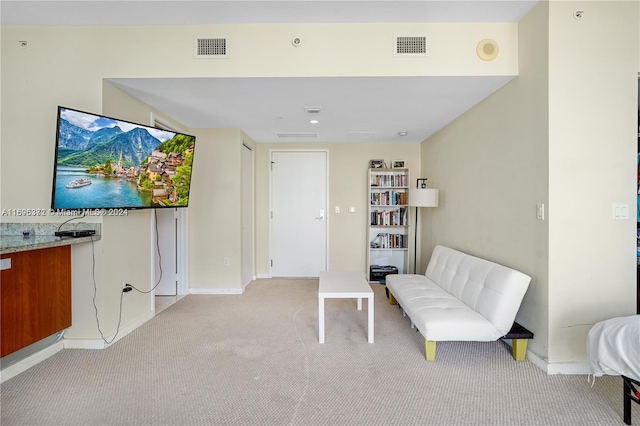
<point x="620" y="211"/>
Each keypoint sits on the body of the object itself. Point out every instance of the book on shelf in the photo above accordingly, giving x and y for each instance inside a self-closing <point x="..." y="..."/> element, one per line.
<point x="397" y="217"/>
<point x="389" y="241"/>
<point x="388" y="180"/>
<point x="389" y="198"/>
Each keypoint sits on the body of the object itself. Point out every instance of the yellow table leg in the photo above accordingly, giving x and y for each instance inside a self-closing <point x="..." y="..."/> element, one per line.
<point x="519" y="349"/>
<point x="430" y="350"/>
<point x="392" y="300"/>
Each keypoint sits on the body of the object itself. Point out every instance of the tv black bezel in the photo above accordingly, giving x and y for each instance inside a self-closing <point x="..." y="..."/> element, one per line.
<point x="107" y="208"/>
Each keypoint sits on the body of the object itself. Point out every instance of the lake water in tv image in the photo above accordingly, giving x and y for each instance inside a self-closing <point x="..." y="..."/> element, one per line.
<point x="103" y="192"/>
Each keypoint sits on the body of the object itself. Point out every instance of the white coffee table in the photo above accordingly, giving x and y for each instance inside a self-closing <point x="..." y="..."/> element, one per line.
<point x="344" y="285"/>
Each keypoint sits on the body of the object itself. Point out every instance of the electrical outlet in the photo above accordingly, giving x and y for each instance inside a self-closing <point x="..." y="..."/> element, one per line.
<point x="126" y="287"/>
<point x="226" y="261"/>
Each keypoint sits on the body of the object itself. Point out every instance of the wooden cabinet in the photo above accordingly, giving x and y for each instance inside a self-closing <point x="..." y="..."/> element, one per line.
<point x="35" y="296"/>
<point x="388" y="230"/>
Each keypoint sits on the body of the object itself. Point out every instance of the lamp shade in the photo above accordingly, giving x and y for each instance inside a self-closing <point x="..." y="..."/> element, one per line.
<point x="423" y="197"/>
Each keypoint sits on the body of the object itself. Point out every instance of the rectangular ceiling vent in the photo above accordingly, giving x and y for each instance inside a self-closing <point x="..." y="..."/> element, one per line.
<point x="312" y="109"/>
<point x="211" y="47"/>
<point x="362" y="135"/>
<point x="410" y="46"/>
<point x="299" y="135"/>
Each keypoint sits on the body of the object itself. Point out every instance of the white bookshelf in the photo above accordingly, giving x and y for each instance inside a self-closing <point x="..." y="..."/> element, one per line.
<point x="388" y="223"/>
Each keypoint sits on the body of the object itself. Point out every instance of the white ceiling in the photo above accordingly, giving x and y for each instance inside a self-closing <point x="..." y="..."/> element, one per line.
<point x="360" y="105"/>
<point x="354" y="109"/>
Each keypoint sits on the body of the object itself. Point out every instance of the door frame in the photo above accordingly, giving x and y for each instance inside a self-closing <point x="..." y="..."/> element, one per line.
<point x="181" y="241"/>
<point x="181" y="231"/>
<point x="327" y="220"/>
<point x="156" y="258"/>
<point x="252" y="219"/>
<point x="182" y="250"/>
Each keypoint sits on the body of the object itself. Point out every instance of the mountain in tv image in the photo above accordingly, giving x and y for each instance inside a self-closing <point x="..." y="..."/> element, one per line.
<point x="83" y="148"/>
<point x="103" y="162"/>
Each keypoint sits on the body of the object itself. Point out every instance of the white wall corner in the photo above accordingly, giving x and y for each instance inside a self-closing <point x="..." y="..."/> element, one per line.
<point x="244" y="286"/>
<point x="71" y="343"/>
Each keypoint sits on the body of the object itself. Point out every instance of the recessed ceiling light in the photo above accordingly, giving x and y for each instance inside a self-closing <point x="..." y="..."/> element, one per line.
<point x="403" y="133"/>
<point x="314" y="122"/>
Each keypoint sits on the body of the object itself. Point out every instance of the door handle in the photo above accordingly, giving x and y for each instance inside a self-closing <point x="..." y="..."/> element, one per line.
<point x="321" y="217"/>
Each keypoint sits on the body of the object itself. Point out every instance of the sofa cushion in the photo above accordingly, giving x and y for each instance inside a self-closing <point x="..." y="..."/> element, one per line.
<point x="492" y="290"/>
<point x="437" y="314"/>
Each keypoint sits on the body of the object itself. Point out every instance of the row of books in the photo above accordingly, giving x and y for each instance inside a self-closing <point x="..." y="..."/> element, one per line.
<point x="389" y="181"/>
<point x="389" y="198"/>
<point x="396" y="217"/>
<point x="384" y="240"/>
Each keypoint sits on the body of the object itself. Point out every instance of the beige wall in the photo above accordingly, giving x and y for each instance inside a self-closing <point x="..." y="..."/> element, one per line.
<point x="490" y="166"/>
<point x="348" y="165"/>
<point x="592" y="165"/>
<point x="124" y="253"/>
<point x="561" y="134"/>
<point x="215" y="211"/>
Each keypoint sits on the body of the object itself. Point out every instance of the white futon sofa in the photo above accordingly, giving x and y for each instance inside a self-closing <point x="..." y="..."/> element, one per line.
<point x="461" y="298"/>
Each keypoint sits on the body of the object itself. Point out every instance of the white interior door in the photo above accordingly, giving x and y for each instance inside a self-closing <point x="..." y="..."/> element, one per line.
<point x="165" y="263"/>
<point x="299" y="213"/>
<point x="247" y="216"/>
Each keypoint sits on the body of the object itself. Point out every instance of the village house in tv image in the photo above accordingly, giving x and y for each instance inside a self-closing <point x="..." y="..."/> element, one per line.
<point x="161" y="170"/>
<point x="107" y="163"/>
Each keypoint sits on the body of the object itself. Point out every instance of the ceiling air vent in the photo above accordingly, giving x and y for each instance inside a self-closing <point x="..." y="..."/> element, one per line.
<point x="362" y="135"/>
<point x="410" y="46"/>
<point x="312" y="109"/>
<point x="299" y="135"/>
<point x="211" y="47"/>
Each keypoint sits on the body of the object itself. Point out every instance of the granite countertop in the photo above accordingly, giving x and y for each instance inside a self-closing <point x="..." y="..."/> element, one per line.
<point x="16" y="243"/>
<point x="41" y="235"/>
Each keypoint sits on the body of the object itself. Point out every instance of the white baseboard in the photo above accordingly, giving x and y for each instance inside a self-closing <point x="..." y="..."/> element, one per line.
<point x="576" y="368"/>
<point x="71" y="343"/>
<point x="216" y="291"/>
<point x="569" y="368"/>
<point x="68" y="343"/>
<point x="264" y="276"/>
<point x="23" y="365"/>
<point x="84" y="344"/>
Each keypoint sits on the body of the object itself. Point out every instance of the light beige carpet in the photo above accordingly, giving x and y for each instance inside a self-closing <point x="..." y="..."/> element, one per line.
<point x="255" y="359"/>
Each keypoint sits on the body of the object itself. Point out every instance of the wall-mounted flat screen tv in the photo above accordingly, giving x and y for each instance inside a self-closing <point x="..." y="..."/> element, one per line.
<point x="107" y="163"/>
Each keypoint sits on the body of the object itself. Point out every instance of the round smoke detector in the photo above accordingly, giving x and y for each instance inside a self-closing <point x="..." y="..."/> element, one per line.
<point x="296" y="41"/>
<point x="487" y="49"/>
